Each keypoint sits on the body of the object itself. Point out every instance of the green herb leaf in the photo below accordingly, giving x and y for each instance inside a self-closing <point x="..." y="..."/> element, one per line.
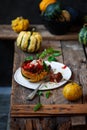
<point x="37" y="56"/>
<point x="29" y="58"/>
<point x="57" y="51"/>
<point x="43" y="54"/>
<point x="39" y="93"/>
<point x="45" y="66"/>
<point x="50" y="50"/>
<point x="56" y="54"/>
<point x="37" y="107"/>
<point x="45" y="86"/>
<point x="48" y="94"/>
<point x="51" y="58"/>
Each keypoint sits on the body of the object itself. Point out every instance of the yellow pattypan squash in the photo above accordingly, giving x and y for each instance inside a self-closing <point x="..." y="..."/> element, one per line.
<point x="72" y="91"/>
<point x="20" y="24"/>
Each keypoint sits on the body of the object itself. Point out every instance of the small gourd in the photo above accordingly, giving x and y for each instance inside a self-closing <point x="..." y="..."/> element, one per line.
<point x="66" y="15"/>
<point x="29" y="41"/>
<point x="72" y="91"/>
<point x="83" y="35"/>
<point x="20" y="24"/>
<point x="52" y="11"/>
<point x="44" y="3"/>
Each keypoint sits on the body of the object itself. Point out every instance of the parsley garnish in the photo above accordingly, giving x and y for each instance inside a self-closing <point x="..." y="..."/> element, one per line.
<point x="37" y="106"/>
<point x="40" y="92"/>
<point x="49" y="51"/>
<point x="51" y="58"/>
<point x="29" y="58"/>
<point x="45" y="66"/>
<point x="48" y="93"/>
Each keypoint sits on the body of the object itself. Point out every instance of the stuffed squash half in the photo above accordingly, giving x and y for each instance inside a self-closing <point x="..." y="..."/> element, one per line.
<point x="35" y="70"/>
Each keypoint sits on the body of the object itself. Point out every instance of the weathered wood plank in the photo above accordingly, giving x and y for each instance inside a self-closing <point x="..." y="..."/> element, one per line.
<point x="53" y="113"/>
<point x="83" y="81"/>
<point x="73" y="56"/>
<point x="48" y="110"/>
<point x="43" y="124"/>
<point x="56" y="94"/>
<point x="66" y="125"/>
<point x="29" y="124"/>
<point x="78" y="120"/>
<point x="33" y="124"/>
<point x="19" y="93"/>
<point x="6" y="32"/>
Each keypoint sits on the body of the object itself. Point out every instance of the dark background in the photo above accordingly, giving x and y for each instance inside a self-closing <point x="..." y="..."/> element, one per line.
<point x="9" y="10"/>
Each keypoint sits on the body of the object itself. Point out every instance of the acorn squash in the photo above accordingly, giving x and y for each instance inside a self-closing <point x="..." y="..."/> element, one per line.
<point x="29" y="41"/>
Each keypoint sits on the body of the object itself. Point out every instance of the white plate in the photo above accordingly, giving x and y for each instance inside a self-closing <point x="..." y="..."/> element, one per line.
<point x="58" y="67"/>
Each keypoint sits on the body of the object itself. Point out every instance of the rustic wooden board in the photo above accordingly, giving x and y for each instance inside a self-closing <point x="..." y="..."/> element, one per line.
<point x="44" y="124"/>
<point x="6" y="32"/>
<point x="48" y="110"/>
<point x="51" y="116"/>
<point x="76" y="66"/>
<point x="70" y="58"/>
<point x="56" y="97"/>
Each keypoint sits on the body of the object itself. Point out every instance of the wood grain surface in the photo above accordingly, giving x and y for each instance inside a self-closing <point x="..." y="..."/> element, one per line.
<point x="48" y="110"/>
<point x="56" y="112"/>
<point x="6" y="32"/>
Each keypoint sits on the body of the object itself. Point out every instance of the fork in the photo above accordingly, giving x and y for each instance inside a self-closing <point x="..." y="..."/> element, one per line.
<point x="32" y="94"/>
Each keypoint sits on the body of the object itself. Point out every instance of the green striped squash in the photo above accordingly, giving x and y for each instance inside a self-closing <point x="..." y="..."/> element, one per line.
<point x="29" y="41"/>
<point x="83" y="35"/>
